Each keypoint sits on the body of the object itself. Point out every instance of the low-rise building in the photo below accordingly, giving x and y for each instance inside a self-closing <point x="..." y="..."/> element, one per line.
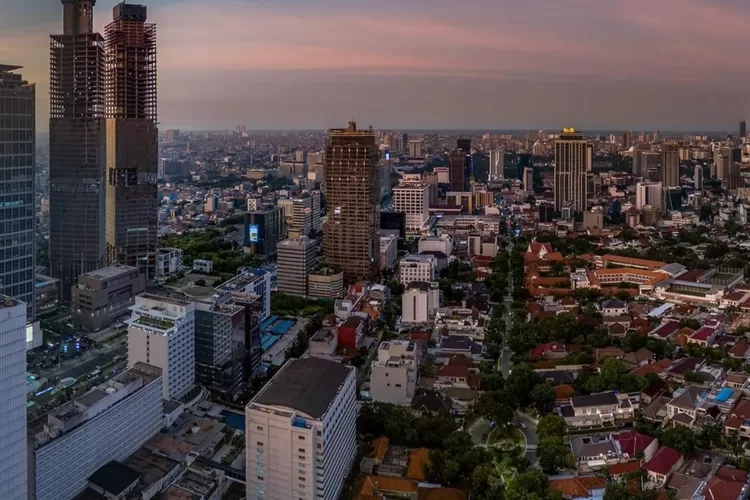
<point x="203" y="266"/>
<point x="598" y="410"/>
<point x="393" y="375"/>
<point x="101" y="296"/>
<point x="662" y="465"/>
<point x="46" y="294"/>
<point x="416" y="268"/>
<point x="388" y="251"/>
<point x="168" y="261"/>
<point x="325" y="283"/>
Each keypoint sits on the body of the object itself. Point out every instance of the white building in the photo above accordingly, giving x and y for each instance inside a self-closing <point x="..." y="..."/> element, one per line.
<point x="168" y="261"/>
<point x="295" y="259"/>
<point x="161" y="332"/>
<point x="13" y="408"/>
<point x="252" y="280"/>
<point x="301" y="432"/>
<point x="413" y="199"/>
<point x="420" y="302"/>
<point x="393" y="376"/>
<point x="203" y="266"/>
<point x="388" y="251"/>
<point x="442" y="244"/>
<point x="212" y="204"/>
<point x="108" y="423"/>
<point x="416" y="268"/>
<point x="497" y="164"/>
<point x="649" y="193"/>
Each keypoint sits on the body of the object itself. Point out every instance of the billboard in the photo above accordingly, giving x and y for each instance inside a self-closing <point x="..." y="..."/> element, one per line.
<point x="252" y="233"/>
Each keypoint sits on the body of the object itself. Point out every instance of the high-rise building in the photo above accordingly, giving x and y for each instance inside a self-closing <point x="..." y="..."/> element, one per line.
<point x="497" y="164"/>
<point x="698" y="177"/>
<point x="296" y="257"/>
<point x="413" y="198"/>
<point x="13" y="479"/>
<point x="649" y="193"/>
<point x="639" y="161"/>
<point x="546" y="212"/>
<point x="723" y="160"/>
<point x="18" y="132"/>
<point x="264" y="228"/>
<point x="670" y="164"/>
<point x="301" y="433"/>
<point x="743" y="129"/>
<point x="351" y="235"/>
<point x="161" y="332"/>
<point x="415" y="148"/>
<point x="77" y="146"/>
<point x="627" y="140"/>
<point x="315" y="195"/>
<point x="110" y="422"/>
<point x="132" y="139"/>
<point x="734" y="179"/>
<point x="528" y="180"/>
<point x="571" y="153"/>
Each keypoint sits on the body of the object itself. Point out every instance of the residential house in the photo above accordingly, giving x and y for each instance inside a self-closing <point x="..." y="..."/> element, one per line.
<point x="680" y="367"/>
<point x="656" y="410"/>
<point x="550" y="350"/>
<point x="703" y="336"/>
<point x="640" y="357"/>
<point x="665" y="331"/>
<point x="593" y="453"/>
<point x="614" y="307"/>
<point x="452" y="375"/>
<point x="683" y="407"/>
<point x="727" y="484"/>
<point x="661" y="466"/>
<point x="633" y="444"/>
<point x="598" y="410"/>
<point x="738" y="420"/>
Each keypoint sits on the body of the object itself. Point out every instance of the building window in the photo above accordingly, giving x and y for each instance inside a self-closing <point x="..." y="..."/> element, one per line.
<point x="301" y="438"/>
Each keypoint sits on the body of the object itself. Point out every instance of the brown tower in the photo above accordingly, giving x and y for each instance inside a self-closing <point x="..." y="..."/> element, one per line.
<point x="351" y="234"/>
<point x="132" y="139"/>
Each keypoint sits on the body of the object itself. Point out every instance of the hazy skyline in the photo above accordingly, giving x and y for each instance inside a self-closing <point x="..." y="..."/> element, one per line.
<point x="313" y="64"/>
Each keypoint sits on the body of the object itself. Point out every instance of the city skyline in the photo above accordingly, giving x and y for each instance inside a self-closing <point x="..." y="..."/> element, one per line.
<point x="283" y="66"/>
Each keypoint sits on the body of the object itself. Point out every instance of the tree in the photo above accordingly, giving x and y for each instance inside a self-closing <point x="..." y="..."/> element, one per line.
<point x="521" y="382"/>
<point x="543" y="398"/>
<point x="485" y="483"/>
<point x="554" y="455"/>
<point x="551" y="425"/>
<point x="531" y="485"/>
<point x="680" y="438"/>
<point x="619" y="491"/>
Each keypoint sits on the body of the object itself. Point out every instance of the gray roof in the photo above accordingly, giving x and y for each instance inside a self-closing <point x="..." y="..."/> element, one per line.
<point x="606" y="398"/>
<point x="308" y="385"/>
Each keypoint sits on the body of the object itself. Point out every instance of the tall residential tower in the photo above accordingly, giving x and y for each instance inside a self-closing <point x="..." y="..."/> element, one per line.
<point x="571" y="153"/>
<point x="351" y="235"/>
<point x="132" y="139"/>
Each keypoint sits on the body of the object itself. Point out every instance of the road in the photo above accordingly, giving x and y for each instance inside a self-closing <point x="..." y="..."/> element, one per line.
<point x="88" y="362"/>
<point x="530" y="434"/>
<point x="503" y="363"/>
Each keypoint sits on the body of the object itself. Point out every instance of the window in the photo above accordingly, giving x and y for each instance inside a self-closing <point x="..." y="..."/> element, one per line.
<point x="259" y="443"/>
<point x="260" y="428"/>
<point x="301" y="478"/>
<point x="301" y="438"/>
<point x="301" y="450"/>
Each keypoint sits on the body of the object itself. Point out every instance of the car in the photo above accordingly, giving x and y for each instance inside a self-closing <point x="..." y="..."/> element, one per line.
<point x="523" y="426"/>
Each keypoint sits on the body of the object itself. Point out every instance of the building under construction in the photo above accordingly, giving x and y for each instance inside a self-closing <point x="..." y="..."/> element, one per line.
<point x="351" y="234"/>
<point x="132" y="139"/>
<point x="76" y="128"/>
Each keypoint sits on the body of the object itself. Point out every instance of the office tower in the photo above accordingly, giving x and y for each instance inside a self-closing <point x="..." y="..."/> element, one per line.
<point x="264" y="228"/>
<point x="132" y="139"/>
<point x="13" y="480"/>
<point x="302" y="213"/>
<point x="464" y="145"/>
<point x="723" y="160"/>
<point x="413" y="199"/>
<point x="18" y="132"/>
<point x="415" y="148"/>
<point x="351" y="239"/>
<point x="300" y="432"/>
<point x="537" y="149"/>
<point x="315" y="195"/>
<point x="524" y="161"/>
<point x="734" y="179"/>
<point x="497" y="164"/>
<point x="77" y="146"/>
<point x="295" y="259"/>
<point x="639" y="161"/>
<point x="649" y="193"/>
<point x="102" y="296"/>
<point x="571" y="153"/>
<point x="528" y="180"/>
<point x="220" y="345"/>
<point x="670" y="164"/>
<point x="627" y="140"/>
<point x="110" y="422"/>
<point x="743" y="129"/>
<point x="161" y="332"/>
<point x="589" y="157"/>
<point x="698" y="177"/>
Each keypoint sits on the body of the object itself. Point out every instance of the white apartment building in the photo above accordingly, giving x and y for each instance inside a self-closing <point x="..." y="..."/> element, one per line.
<point x="412" y="198"/>
<point x="420" y="302"/>
<point x="416" y="268"/>
<point x="108" y="423"/>
<point x="13" y="478"/>
<point x="442" y="244"/>
<point x="393" y="376"/>
<point x="161" y="332"/>
<point x="168" y="261"/>
<point x="388" y="251"/>
<point x="203" y="266"/>
<point x="300" y="432"/>
<point x="649" y="193"/>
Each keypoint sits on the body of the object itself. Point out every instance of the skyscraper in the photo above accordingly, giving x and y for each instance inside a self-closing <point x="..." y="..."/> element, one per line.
<point x="649" y="193"/>
<point x="698" y="177"/>
<point x="497" y="164"/>
<point x="461" y="165"/>
<point x="18" y="132"/>
<point x="640" y="167"/>
<point x="13" y="480"/>
<point x="132" y="139"/>
<point x="627" y="140"/>
<point x="743" y="129"/>
<point x="351" y="234"/>
<point x="571" y="153"/>
<point x="669" y="173"/>
<point x="76" y="128"/>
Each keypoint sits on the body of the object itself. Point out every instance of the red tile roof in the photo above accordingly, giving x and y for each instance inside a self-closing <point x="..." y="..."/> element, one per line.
<point x="454" y="371"/>
<point x="726" y="484"/>
<point x="703" y="333"/>
<point x="625" y="468"/>
<point x="665" y="329"/>
<point x="541" y="349"/>
<point x="663" y="460"/>
<point x="632" y="442"/>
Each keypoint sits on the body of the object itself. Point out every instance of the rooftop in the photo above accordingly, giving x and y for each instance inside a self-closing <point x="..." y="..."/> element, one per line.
<point x="110" y="272"/>
<point x="114" y="477"/>
<point x="308" y="385"/>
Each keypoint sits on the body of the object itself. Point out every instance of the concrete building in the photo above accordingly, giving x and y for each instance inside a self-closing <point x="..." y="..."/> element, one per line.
<point x="13" y="464"/>
<point x="413" y="199"/>
<point x="393" y="376"/>
<point x="161" y="332"/>
<point x="528" y="180"/>
<point x="17" y="159"/>
<point x="295" y="260"/>
<point x="46" y="294"/>
<point x="254" y="281"/>
<point x="571" y="153"/>
<point x="420" y="302"/>
<point x="132" y="138"/>
<point x="77" y="146"/>
<point x="415" y="148"/>
<point x="442" y="244"/>
<point x="203" y="266"/>
<point x="325" y="283"/>
<point x="649" y="193"/>
<point x="108" y="423"/>
<point x="300" y="432"/>
<point x="101" y="296"/>
<point x="593" y="220"/>
<point x="669" y="171"/>
<point x="460" y="164"/>
<point x="350" y="237"/>
<point x="388" y="251"/>
<point x="416" y="268"/>
<point x="168" y="261"/>
<point x="264" y="228"/>
<point x="497" y="164"/>
<point x="698" y="177"/>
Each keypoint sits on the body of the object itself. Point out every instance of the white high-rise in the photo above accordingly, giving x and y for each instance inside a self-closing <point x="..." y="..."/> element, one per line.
<point x="300" y="432"/>
<point x="413" y="199"/>
<point x="420" y="302"/>
<point x="161" y="332"/>
<point x="497" y="164"/>
<point x="649" y="193"/>
<point x="13" y="459"/>
<point x="571" y="159"/>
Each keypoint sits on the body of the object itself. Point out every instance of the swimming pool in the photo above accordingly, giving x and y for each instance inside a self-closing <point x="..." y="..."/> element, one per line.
<point x="234" y="420"/>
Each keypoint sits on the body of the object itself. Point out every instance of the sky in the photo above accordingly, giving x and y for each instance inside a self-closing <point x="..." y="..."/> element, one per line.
<point x="434" y="64"/>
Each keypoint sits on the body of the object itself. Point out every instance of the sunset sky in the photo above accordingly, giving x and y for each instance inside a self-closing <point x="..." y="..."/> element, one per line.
<point x="640" y="64"/>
